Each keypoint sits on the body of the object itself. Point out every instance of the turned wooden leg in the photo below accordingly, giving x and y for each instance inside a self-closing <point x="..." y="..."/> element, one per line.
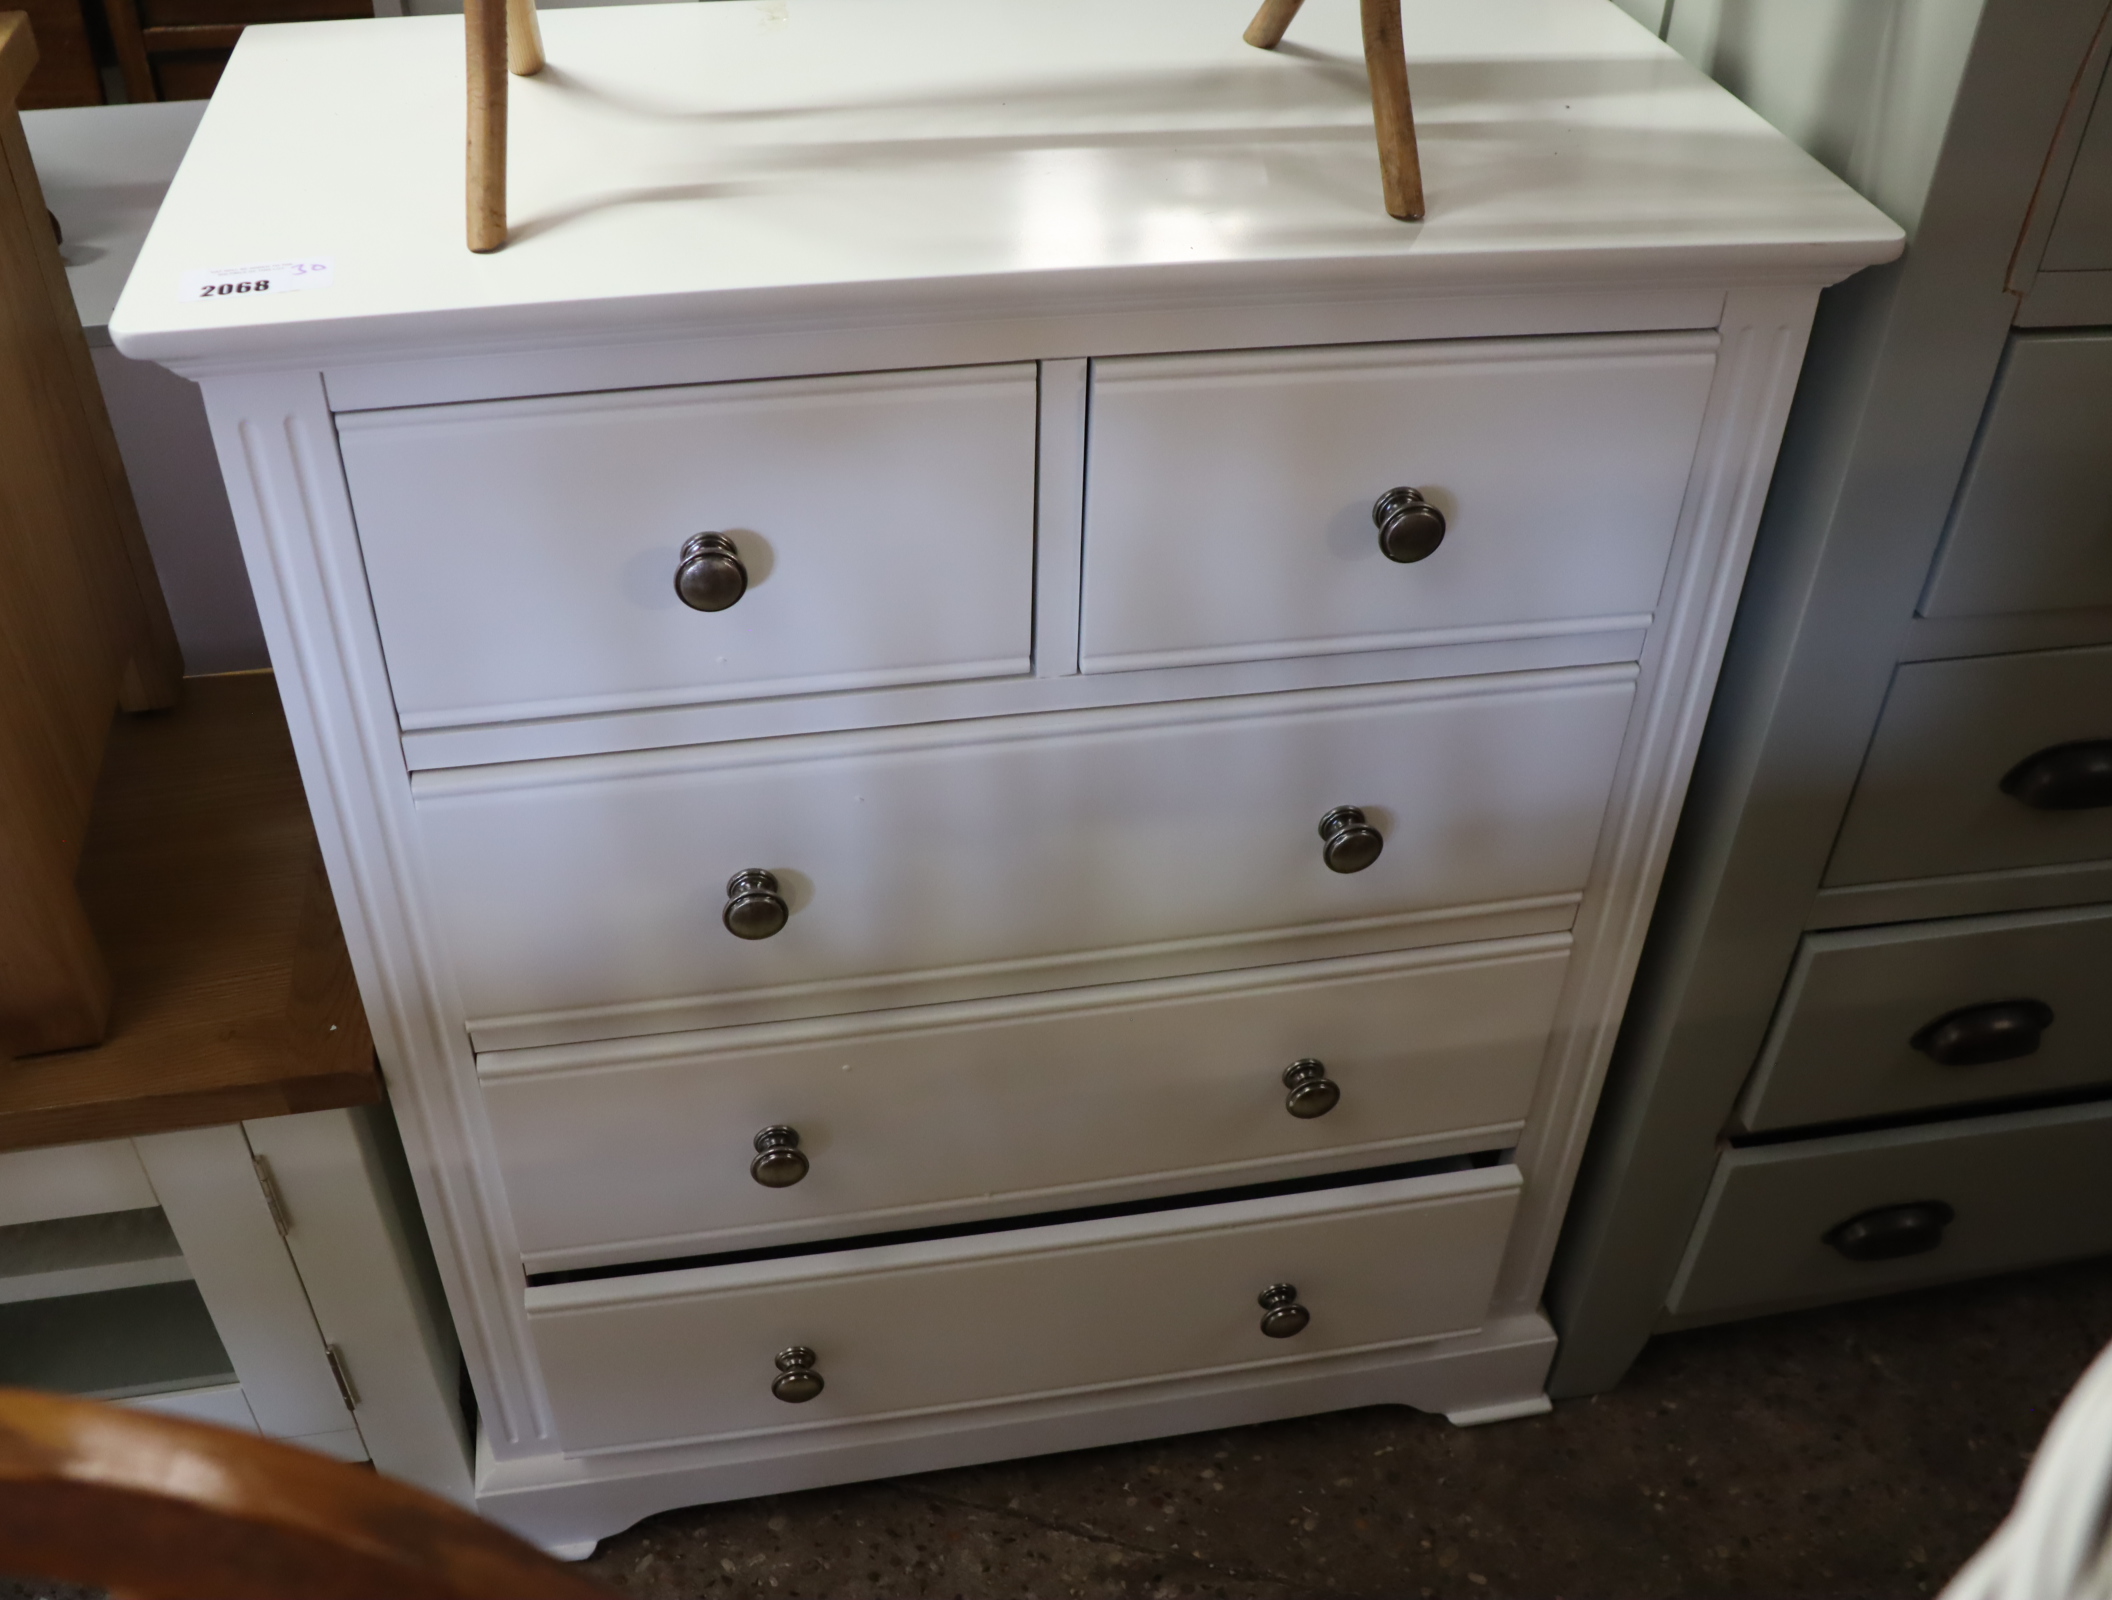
<point x="524" y="39"/>
<point x="484" y="23"/>
<point x="1265" y="32"/>
<point x="1387" y="62"/>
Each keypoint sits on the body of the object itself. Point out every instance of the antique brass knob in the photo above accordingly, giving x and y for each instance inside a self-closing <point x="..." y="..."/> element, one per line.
<point x="1348" y="842"/>
<point x="796" y="1382"/>
<point x="779" y="1162"/>
<point x="1410" y="527"/>
<point x="710" y="576"/>
<point x="1281" y="1314"/>
<point x="1313" y="1092"/>
<point x="754" y="908"/>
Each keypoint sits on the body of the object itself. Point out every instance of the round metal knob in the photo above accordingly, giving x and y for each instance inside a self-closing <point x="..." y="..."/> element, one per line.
<point x="710" y="576"/>
<point x="1348" y="842"/>
<point x="796" y="1382"/>
<point x="1977" y="1036"/>
<point x="779" y="1162"/>
<point x="1281" y="1314"/>
<point x="754" y="908"/>
<point x="1313" y="1092"/>
<point x="1410" y="527"/>
<point x="1890" y="1232"/>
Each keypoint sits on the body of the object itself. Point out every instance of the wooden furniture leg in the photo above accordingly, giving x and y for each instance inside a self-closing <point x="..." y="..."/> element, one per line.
<point x="1265" y="32"/>
<point x="524" y="39"/>
<point x="484" y="23"/>
<point x="1400" y="169"/>
<point x="503" y="36"/>
<point x="1386" y="60"/>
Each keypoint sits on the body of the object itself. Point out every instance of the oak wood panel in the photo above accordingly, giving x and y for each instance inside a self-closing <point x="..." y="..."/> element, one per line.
<point x="163" y="1507"/>
<point x="201" y="876"/>
<point x="82" y="624"/>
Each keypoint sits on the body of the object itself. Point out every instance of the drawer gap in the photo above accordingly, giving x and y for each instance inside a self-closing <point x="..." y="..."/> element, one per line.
<point x="960" y="1230"/>
<point x="1929" y="1116"/>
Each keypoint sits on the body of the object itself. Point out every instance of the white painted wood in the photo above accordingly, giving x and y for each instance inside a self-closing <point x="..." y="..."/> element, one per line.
<point x="277" y="449"/>
<point x="1841" y="1044"/>
<point x="1764" y="335"/>
<point x="2028" y="1187"/>
<point x="905" y="1328"/>
<point x="924" y="1116"/>
<point x="1929" y="801"/>
<point x="567" y="1503"/>
<point x="1050" y="329"/>
<point x="362" y="1256"/>
<point x="887" y="525"/>
<point x="88" y="1254"/>
<point x="206" y="1183"/>
<point x="1019" y="167"/>
<point x="72" y="1180"/>
<point x="341" y="1444"/>
<point x="1031" y="194"/>
<point x="1002" y="697"/>
<point x="1228" y="504"/>
<point x="2027" y="532"/>
<point x="584" y="896"/>
<point x="1059" y="516"/>
<point x="222" y="1404"/>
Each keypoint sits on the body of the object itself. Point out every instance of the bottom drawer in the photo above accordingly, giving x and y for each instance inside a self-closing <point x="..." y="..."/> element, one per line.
<point x="689" y="1354"/>
<point x="2021" y="1189"/>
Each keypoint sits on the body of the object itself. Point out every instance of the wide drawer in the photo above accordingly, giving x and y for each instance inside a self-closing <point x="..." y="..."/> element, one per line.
<point x="522" y="553"/>
<point x="1883" y="1020"/>
<point x="690" y="1354"/>
<point x="1931" y="802"/>
<point x="2028" y="532"/>
<point x="930" y="1114"/>
<point x="583" y="900"/>
<point x="1229" y="499"/>
<point x="2020" y="1189"/>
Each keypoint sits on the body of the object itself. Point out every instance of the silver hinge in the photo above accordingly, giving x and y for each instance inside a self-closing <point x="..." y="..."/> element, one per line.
<point x="336" y="1358"/>
<point x="274" y="1202"/>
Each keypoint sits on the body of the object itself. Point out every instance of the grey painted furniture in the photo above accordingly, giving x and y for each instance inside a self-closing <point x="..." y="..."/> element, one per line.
<point x="1837" y="1076"/>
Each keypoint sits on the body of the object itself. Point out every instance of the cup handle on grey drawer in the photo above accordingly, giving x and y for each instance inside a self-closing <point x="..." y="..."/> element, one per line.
<point x="1890" y="1232"/>
<point x="1976" y="1036"/>
<point x="2063" y="777"/>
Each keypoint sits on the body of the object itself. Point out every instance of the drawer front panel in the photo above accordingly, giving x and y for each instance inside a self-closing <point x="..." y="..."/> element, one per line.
<point x="904" y="1328"/>
<point x="2031" y="1187"/>
<point x="1930" y="801"/>
<point x="1845" y="1045"/>
<point x="1229" y="499"/>
<point x="947" y="850"/>
<point x="932" y="1114"/>
<point x="522" y="553"/>
<point x="2032" y="529"/>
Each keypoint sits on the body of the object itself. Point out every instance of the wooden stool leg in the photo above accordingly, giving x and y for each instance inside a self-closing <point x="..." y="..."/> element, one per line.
<point x="1265" y="32"/>
<point x="484" y="23"/>
<point x="524" y="39"/>
<point x="1387" y="61"/>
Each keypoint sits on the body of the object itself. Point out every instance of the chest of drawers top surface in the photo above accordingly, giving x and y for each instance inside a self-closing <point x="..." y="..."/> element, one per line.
<point x="716" y="168"/>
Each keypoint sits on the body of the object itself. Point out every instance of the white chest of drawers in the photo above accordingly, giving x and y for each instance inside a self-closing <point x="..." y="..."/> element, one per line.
<point x="1040" y="365"/>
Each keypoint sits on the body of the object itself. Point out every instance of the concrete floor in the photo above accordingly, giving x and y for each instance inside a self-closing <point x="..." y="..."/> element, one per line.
<point x="1861" y="1450"/>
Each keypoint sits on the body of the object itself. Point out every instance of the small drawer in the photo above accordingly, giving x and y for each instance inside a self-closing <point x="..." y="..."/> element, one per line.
<point x="2017" y="1190"/>
<point x="522" y="554"/>
<point x="2029" y="530"/>
<point x="1229" y="501"/>
<point x="1883" y="1020"/>
<point x="930" y="1115"/>
<point x="898" y="1329"/>
<point x="1982" y="764"/>
<point x="590" y="899"/>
